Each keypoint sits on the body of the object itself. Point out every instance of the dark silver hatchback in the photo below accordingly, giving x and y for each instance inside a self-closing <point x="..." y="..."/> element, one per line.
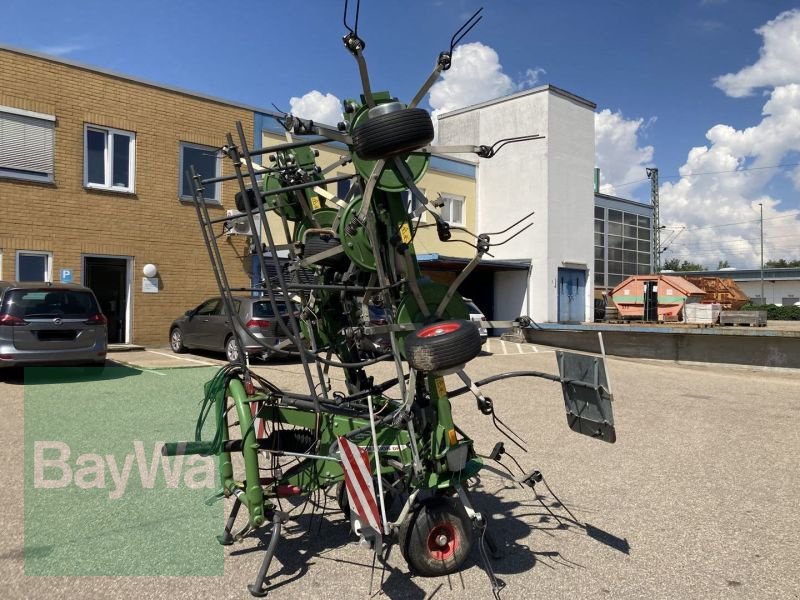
<point x="209" y="327"/>
<point x="50" y="324"/>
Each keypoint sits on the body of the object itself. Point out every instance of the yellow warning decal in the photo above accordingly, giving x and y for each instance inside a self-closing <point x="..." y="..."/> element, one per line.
<point x="405" y="233"/>
<point x="441" y="389"/>
<point x="315" y="203"/>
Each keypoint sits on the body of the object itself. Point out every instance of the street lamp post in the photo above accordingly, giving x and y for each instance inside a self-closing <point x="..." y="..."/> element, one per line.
<point x="761" y="209"/>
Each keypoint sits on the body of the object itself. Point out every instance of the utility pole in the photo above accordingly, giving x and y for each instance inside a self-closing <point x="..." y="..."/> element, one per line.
<point x="761" y="209"/>
<point x="652" y="175"/>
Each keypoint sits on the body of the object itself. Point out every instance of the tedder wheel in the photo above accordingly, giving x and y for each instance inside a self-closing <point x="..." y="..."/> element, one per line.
<point x="176" y="340"/>
<point x="393" y="133"/>
<point x="443" y="345"/>
<point x="436" y="538"/>
<point x="231" y="349"/>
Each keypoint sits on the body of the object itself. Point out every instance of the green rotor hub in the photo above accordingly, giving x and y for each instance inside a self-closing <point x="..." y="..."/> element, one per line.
<point x="285" y="204"/>
<point x="325" y="218"/>
<point x="356" y="247"/>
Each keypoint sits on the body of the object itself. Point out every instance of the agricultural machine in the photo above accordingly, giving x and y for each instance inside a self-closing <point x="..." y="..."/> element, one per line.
<point x="399" y="465"/>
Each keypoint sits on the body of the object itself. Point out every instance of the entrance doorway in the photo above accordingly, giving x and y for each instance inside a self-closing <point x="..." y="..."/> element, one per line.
<point x="571" y="295"/>
<point x="108" y="279"/>
<point x="650" y="301"/>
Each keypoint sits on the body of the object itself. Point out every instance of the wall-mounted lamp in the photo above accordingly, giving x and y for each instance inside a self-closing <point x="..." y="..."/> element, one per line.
<point x="150" y="270"/>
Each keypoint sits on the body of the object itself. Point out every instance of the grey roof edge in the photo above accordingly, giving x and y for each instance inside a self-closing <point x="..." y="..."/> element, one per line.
<point x="139" y="80"/>
<point x="624" y="200"/>
<point x="770" y="273"/>
<point x="537" y="90"/>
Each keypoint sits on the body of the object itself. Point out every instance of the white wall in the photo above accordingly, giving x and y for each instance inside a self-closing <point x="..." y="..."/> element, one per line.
<point x="510" y="296"/>
<point x="774" y="291"/>
<point x="552" y="177"/>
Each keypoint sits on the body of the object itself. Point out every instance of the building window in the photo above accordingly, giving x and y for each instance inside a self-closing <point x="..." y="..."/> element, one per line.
<point x="33" y="266"/>
<point x="789" y="300"/>
<point x="26" y="145"/>
<point x="109" y="159"/>
<point x="206" y="163"/>
<point x="342" y="186"/>
<point x="453" y="209"/>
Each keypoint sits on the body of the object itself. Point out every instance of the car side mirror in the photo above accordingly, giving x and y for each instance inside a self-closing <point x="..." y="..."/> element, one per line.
<point x="189" y="313"/>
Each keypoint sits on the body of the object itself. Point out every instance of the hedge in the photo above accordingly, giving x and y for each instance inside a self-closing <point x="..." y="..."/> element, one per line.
<point x="775" y="312"/>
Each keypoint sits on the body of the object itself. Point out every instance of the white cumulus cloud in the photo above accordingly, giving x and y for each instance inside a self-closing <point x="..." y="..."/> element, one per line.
<point x="325" y="109"/>
<point x="723" y="182"/>
<point x="778" y="63"/>
<point x="476" y="76"/>
<point x="619" y="156"/>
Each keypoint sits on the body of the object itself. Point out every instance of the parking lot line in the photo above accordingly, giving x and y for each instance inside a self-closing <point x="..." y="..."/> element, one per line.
<point x="201" y="362"/>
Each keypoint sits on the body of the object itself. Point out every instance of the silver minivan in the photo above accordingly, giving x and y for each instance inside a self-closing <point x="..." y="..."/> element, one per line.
<point x="50" y="324"/>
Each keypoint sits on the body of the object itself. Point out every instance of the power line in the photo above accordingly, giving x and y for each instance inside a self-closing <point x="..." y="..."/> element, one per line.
<point x="707" y="173"/>
<point x="719" y="243"/>
<point x="794" y="214"/>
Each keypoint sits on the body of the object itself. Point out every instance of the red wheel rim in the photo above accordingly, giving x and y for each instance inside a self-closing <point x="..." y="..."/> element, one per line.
<point x="443" y="541"/>
<point x="437" y="330"/>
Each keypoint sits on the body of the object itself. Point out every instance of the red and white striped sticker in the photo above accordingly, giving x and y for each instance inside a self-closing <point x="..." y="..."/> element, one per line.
<point x="259" y="426"/>
<point x="358" y="481"/>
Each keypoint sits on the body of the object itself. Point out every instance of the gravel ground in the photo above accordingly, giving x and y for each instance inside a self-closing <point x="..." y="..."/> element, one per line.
<point x="697" y="499"/>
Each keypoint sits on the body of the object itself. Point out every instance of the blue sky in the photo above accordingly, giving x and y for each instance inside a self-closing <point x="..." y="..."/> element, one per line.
<point x="650" y="66"/>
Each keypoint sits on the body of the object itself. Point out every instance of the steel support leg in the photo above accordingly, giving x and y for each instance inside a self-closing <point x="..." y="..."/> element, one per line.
<point x="259" y="588"/>
<point x="226" y="539"/>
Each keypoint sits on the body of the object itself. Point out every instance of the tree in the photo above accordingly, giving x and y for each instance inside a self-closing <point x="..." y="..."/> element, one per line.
<point x="674" y="264"/>
<point x="782" y="263"/>
<point x="724" y="264"/>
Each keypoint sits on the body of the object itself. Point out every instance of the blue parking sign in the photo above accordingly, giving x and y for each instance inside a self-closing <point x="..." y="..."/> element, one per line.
<point x="66" y="275"/>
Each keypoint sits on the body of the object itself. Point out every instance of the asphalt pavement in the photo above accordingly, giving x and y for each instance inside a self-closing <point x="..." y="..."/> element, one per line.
<point x="697" y="498"/>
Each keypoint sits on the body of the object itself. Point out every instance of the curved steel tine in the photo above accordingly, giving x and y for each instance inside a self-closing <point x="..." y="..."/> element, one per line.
<point x="528" y="226"/>
<point x="344" y="17"/>
<point x="529" y="215"/>
<point x="465" y="29"/>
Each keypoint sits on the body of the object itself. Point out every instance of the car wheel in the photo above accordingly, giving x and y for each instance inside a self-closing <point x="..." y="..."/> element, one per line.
<point x="393" y="133"/>
<point x="176" y="340"/>
<point x="436" y="538"/>
<point x="443" y="345"/>
<point x="231" y="349"/>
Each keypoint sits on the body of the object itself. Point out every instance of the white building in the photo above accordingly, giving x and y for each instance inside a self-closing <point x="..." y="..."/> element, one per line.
<point x="551" y="176"/>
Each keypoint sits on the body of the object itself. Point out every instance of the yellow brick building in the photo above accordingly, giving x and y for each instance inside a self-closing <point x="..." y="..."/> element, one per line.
<point x="91" y="186"/>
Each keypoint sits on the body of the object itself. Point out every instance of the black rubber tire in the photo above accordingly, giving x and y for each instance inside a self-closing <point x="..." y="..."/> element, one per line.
<point x="459" y="344"/>
<point x="394" y="133"/>
<point x="342" y="501"/>
<point x="419" y="532"/>
<point x="316" y="243"/>
<point x="176" y="344"/>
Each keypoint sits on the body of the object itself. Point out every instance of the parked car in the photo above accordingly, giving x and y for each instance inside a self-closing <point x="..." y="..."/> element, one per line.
<point x="208" y="327"/>
<point x="50" y="324"/>
<point x="476" y="315"/>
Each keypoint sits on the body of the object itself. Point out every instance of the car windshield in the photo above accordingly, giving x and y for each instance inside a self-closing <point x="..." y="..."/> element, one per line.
<point x="50" y="303"/>
<point x="263" y="309"/>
